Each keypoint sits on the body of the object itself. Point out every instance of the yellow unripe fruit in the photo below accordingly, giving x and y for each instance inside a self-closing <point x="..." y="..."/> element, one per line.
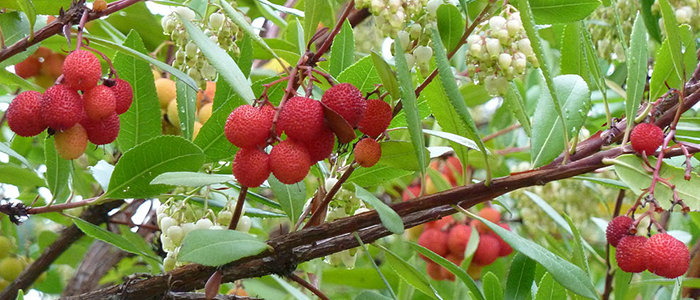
<point x="71" y="143"/>
<point x="205" y="112"/>
<point x="173" y="116"/>
<point x="10" y="268"/>
<point x="5" y="247"/>
<point x="166" y="91"/>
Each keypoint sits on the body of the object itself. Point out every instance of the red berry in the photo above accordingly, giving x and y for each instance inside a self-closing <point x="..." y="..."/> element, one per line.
<point x="82" y="70"/>
<point x="488" y="213"/>
<point x="347" y="101"/>
<point x="99" y="102"/>
<point x="618" y="228"/>
<point x="455" y="260"/>
<point x="321" y="147"/>
<point x="71" y="143"/>
<point x="23" y="114"/>
<point x="29" y="67"/>
<point x="452" y="169"/>
<point x="123" y="94"/>
<point x="251" y="167"/>
<point x="434" y="270"/>
<point x="61" y="107"/>
<point x="367" y="152"/>
<point x="506" y="249"/>
<point x="441" y="223"/>
<point x="301" y="119"/>
<point x="487" y="251"/>
<point x="248" y="127"/>
<point x="411" y="192"/>
<point x="631" y="253"/>
<point x="666" y="256"/>
<point x="457" y="239"/>
<point x="434" y="240"/>
<point x="646" y="137"/>
<point x="101" y="132"/>
<point x="376" y="118"/>
<point x="290" y="161"/>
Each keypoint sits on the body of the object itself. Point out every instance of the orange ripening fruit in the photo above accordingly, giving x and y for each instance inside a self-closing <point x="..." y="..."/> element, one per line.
<point x="488" y="213"/>
<point x="71" y="143"/>
<point x="367" y="152"/>
<point x="29" y="67"/>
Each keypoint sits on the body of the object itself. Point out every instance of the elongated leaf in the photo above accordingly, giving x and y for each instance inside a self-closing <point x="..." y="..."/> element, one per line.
<point x="673" y="36"/>
<point x="564" y="272"/>
<point x="111" y="238"/>
<point x="447" y="118"/>
<point x="377" y="174"/>
<point x="520" y="277"/>
<point x="221" y="61"/>
<point x="387" y="75"/>
<point x="21" y="177"/>
<point x="579" y="256"/>
<point x="291" y="197"/>
<point x="390" y="219"/>
<point x="193" y="179"/>
<point x="455" y="138"/>
<point x="450" y="25"/>
<point x="240" y="20"/>
<point x="547" y="136"/>
<point x="361" y="74"/>
<point x="629" y="169"/>
<point x="370" y="295"/>
<point x="549" y="289"/>
<point x="12" y="80"/>
<point x="186" y="108"/>
<point x="454" y="269"/>
<point x="57" y="172"/>
<point x="218" y="247"/>
<point x="573" y="55"/>
<point x="598" y="78"/>
<point x="139" y="166"/>
<point x="313" y="13"/>
<point x="492" y="287"/>
<point x="650" y="21"/>
<point x="562" y="11"/>
<point x="516" y="104"/>
<point x="604" y="181"/>
<point x="399" y="154"/>
<point x="12" y="153"/>
<point x="410" y="107"/>
<point x="29" y="10"/>
<point x="636" y="70"/>
<point x="143" y="119"/>
<point x="409" y="273"/>
<point x="450" y="86"/>
<point x="342" y="50"/>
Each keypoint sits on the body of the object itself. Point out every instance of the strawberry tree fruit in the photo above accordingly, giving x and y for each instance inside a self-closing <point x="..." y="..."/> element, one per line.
<point x="82" y="70"/>
<point x="23" y="114"/>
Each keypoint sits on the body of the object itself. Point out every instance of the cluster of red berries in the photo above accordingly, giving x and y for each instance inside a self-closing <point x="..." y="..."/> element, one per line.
<point x="449" y="239"/>
<point x="309" y="135"/>
<point x="75" y="118"/>
<point x="44" y="65"/>
<point x="646" y="137"/>
<point x="451" y="170"/>
<point x="661" y="254"/>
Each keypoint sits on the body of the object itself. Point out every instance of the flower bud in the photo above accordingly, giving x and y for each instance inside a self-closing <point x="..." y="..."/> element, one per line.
<point x="422" y="54"/>
<point x="493" y="47"/>
<point x="504" y="60"/>
<point x="203" y="224"/>
<point x="497" y="23"/>
<point x="166" y="223"/>
<point x="216" y="20"/>
<point x="244" y="224"/>
<point x="185" y="13"/>
<point x="176" y="234"/>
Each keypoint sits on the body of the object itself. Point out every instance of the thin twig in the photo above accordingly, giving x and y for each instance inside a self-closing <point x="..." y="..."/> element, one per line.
<point x="239" y="208"/>
<point x="308" y="286"/>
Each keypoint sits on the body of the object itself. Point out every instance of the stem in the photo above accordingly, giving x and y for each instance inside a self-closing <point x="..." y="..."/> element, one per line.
<point x="81" y="27"/>
<point x="329" y="40"/>
<point x="308" y="286"/>
<point x="239" y="208"/>
<point x="61" y="207"/>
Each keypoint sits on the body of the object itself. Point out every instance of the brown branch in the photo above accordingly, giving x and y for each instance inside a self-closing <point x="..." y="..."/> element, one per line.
<point x="95" y="215"/>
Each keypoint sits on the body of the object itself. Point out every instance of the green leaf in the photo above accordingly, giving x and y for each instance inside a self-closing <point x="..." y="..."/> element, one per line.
<point x="11" y="80"/>
<point x="603" y="181"/>
<point x="410" y="107"/>
<point x="221" y="61"/>
<point x="399" y="154"/>
<point x="15" y="27"/>
<point x="143" y="119"/>
<point x="313" y="13"/>
<point x="450" y="86"/>
<point x="664" y="73"/>
<point x="12" y="153"/>
<point x="387" y="75"/>
<point x="20" y="295"/>
<point x="455" y="138"/>
<point x="690" y="59"/>
<point x="450" y="266"/>
<point x="548" y="289"/>
<point x="27" y="7"/>
<point x="186" y="110"/>
<point x="492" y="287"/>
<point x="211" y="138"/>
<point x="370" y="295"/>
<point x="516" y="104"/>
<point x="447" y="117"/>
<point x="57" y="172"/>
<point x="342" y="50"/>
<point x="650" y="21"/>
<point x="409" y="273"/>
<point x="250" y="32"/>
<point x="629" y="168"/>
<point x="564" y="272"/>
<point x="139" y="166"/>
<point x="361" y="74"/>
<point x="218" y="247"/>
<point x="636" y="70"/>
<point x="672" y="35"/>
<point x="573" y="55"/>
<point x="520" y="277"/>
<point x="622" y="284"/>
<point x="376" y="175"/>
<point x="245" y="60"/>
<point x="450" y="25"/>
<point x="111" y="238"/>
<point x="191" y="179"/>
<point x="21" y="177"/>
<point x="562" y="11"/>
<point x="579" y="256"/>
<point x="390" y="219"/>
<point x="291" y="197"/>
<point x="547" y="137"/>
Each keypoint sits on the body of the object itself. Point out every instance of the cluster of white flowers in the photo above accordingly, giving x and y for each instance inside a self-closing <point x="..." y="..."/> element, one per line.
<point x="686" y="11"/>
<point x="603" y="30"/>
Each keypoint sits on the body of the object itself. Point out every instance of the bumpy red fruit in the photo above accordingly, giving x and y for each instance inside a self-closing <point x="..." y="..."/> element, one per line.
<point x="301" y="119"/>
<point x="321" y="147"/>
<point x="435" y="240"/>
<point x="376" y="118"/>
<point x="367" y="152"/>
<point x="488" y="213"/>
<point x="410" y="192"/>
<point x="71" y="143"/>
<point x="29" y="67"/>
<point x="506" y="249"/>
<point x="434" y="270"/>
<point x="487" y="251"/>
<point x="101" y="132"/>
<point x="82" y="70"/>
<point x="123" y="94"/>
<point x="631" y="253"/>
<point x="441" y="223"/>
<point x="99" y="102"/>
<point x="347" y="101"/>
<point x="251" y="167"/>
<point x="452" y="169"/>
<point x="646" y="137"/>
<point x="457" y="239"/>
<point x="61" y="107"/>
<point x="23" y="114"/>
<point x="289" y="161"/>
<point x="248" y="127"/>
<point x="618" y="228"/>
<point x="667" y="256"/>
